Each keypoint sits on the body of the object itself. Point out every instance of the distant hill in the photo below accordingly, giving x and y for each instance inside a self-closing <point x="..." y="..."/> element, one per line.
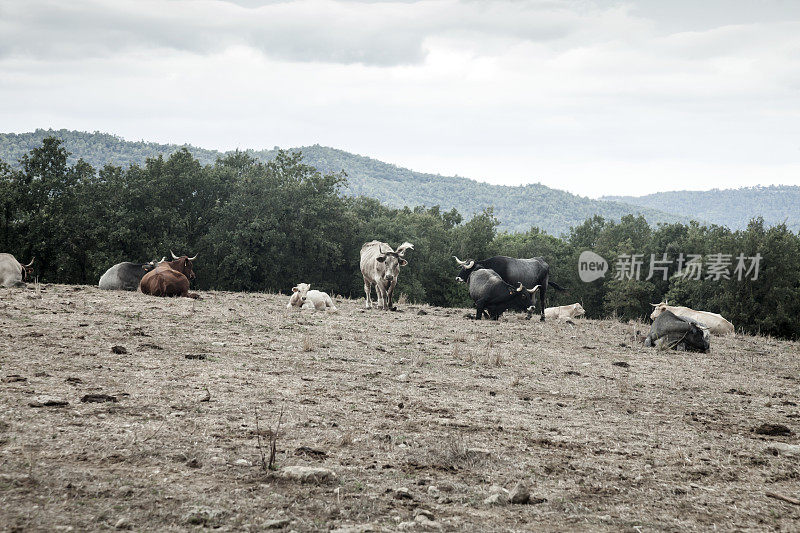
<point x="727" y="207"/>
<point x="517" y="208"/>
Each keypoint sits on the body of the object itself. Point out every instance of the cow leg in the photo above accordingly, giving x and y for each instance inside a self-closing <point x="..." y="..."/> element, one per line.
<point x="380" y="289"/>
<point x="367" y="292"/>
<point x="389" y="295"/>
<point x="480" y="307"/>
<point x="542" y="293"/>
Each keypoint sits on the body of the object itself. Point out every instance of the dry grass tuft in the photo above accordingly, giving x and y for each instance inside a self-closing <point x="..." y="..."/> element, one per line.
<point x="493" y="357"/>
<point x="452" y="453"/>
<point x="308" y="346"/>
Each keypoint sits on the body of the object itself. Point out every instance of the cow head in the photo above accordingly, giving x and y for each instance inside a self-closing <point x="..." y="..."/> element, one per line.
<point x="658" y="309"/>
<point x="578" y="310"/>
<point x="182" y="264"/>
<point x="467" y="268"/>
<point x="698" y="337"/>
<point x="147" y="267"/>
<point x="521" y="298"/>
<point x="392" y="261"/>
<point x="299" y="294"/>
<point x="27" y="270"/>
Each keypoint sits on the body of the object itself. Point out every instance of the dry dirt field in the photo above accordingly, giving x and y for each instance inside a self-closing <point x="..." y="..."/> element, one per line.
<point x="421" y="416"/>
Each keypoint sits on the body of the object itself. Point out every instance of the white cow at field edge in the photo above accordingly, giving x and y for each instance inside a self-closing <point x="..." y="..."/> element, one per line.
<point x="715" y="323"/>
<point x="380" y="266"/>
<point x="303" y="298"/>
<point x="12" y="272"/>
<point x="565" y="311"/>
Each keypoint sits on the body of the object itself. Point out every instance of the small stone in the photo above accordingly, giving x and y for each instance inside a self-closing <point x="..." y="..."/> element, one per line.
<point x="277" y="523"/>
<point x="98" y="398"/>
<point x="202" y="516"/>
<point x="48" y="401"/>
<point x="422" y="312"/>
<point x="308" y="474"/>
<point x="773" y="430"/>
<point x="781" y="448"/>
<point x="433" y="490"/>
<point x="423" y="512"/>
<point x="496" y="489"/>
<point x="426" y="523"/>
<point x="519" y="494"/>
<point x="402" y="493"/>
<point x="123" y="523"/>
<point x="360" y="528"/>
<point x="117" y="349"/>
<point x="242" y="462"/>
<point x="402" y="377"/>
<point x="498" y="498"/>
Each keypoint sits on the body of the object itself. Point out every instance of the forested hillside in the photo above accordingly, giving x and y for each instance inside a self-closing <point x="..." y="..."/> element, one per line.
<point x="733" y="208"/>
<point x="267" y="226"/>
<point x="517" y="208"/>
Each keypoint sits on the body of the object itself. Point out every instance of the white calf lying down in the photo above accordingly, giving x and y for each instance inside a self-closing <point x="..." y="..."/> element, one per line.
<point x="303" y="298"/>
<point x="565" y="311"/>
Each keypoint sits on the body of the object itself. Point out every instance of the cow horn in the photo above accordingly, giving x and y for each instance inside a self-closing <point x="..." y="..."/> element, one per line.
<point x="459" y="261"/>
<point x="519" y="289"/>
<point x="163" y="259"/>
<point x="401" y="250"/>
<point x="470" y="264"/>
<point x="31" y="263"/>
<point x="173" y="254"/>
<point x="193" y="258"/>
<point x="533" y="290"/>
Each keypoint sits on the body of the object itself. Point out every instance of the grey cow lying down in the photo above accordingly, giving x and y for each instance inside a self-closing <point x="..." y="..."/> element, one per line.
<point x="678" y="333"/>
<point x="303" y="298"/>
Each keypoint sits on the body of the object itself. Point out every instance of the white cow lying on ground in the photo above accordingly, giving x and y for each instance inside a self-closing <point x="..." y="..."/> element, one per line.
<point x="715" y="323"/>
<point x="303" y="298"/>
<point x="565" y="311"/>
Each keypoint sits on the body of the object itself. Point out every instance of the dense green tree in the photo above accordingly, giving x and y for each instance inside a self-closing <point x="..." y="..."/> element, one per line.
<point x="267" y="226"/>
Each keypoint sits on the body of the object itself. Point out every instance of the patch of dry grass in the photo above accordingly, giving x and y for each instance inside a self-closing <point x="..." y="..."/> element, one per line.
<point x="386" y="400"/>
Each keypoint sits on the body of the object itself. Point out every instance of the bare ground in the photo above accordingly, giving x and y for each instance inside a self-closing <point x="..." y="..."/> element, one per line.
<point x="386" y="400"/>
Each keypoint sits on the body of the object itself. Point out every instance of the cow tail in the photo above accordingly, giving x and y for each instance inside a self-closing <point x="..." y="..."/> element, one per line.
<point x="556" y="286"/>
<point x="161" y="289"/>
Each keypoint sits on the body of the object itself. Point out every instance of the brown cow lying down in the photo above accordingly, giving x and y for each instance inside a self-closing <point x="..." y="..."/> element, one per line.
<point x="170" y="278"/>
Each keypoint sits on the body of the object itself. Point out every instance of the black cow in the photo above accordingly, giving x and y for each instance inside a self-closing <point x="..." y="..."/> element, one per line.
<point x="678" y="332"/>
<point x="529" y="272"/>
<point x="125" y="276"/>
<point x="494" y="295"/>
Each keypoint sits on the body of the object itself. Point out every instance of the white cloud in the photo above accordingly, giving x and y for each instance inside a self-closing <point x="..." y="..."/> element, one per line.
<point x="597" y="98"/>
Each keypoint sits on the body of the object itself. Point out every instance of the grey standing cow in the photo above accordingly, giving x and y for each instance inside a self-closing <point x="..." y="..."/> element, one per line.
<point x="125" y="276"/>
<point x="12" y="272"/>
<point x="380" y="266"/>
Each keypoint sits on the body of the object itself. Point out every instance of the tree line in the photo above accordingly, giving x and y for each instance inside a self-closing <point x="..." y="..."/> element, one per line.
<point x="394" y="186"/>
<point x="267" y="226"/>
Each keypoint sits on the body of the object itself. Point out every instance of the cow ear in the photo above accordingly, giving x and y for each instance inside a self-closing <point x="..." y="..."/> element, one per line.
<point x="380" y="258"/>
<point x="511" y="291"/>
<point x="294" y="289"/>
<point x="403" y="262"/>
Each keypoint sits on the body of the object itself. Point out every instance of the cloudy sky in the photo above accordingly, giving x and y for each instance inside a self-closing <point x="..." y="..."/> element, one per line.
<point x="594" y="97"/>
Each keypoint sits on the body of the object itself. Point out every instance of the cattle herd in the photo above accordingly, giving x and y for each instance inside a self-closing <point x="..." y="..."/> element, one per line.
<point x="495" y="285"/>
